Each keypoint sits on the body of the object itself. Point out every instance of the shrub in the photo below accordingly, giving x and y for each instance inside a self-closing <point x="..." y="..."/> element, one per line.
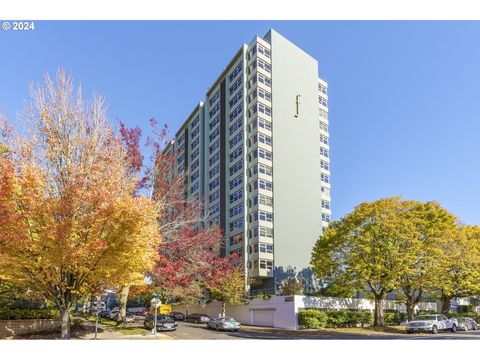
<point x="18" y="314"/>
<point x="394" y="317"/>
<point x="312" y="319"/>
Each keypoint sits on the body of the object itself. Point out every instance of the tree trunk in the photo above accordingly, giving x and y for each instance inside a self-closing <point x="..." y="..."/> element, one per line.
<point x="446" y="302"/>
<point x="409" y="304"/>
<point x="122" y="316"/>
<point x="65" y="327"/>
<point x="378" y="315"/>
<point x="223" y="309"/>
<point x="84" y="305"/>
<point x="91" y="305"/>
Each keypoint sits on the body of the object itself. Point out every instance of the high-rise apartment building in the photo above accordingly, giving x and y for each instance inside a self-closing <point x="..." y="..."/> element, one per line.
<point x="256" y="150"/>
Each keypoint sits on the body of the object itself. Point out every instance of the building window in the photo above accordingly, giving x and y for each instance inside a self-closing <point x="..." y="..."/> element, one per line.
<point x="236" y="224"/>
<point x="195" y="164"/>
<point x="263" y="65"/>
<point x="235" y="182"/>
<point x="264" y="109"/>
<point x="194" y="176"/>
<point x="195" y="132"/>
<point x="236" y="167"/>
<point x="264" y="124"/>
<point x="236" y="196"/>
<point x="325" y="178"/>
<point x="194" y="122"/>
<point x="236" y="85"/>
<point x="264" y="94"/>
<point x="264" y="80"/>
<point x="214" y="134"/>
<point x="237" y="125"/>
<point x="236" y="153"/>
<point x="194" y="187"/>
<point x="215" y="221"/>
<point x="263" y="50"/>
<point x="266" y="264"/>
<point x="326" y="204"/>
<point x="214" y="196"/>
<point x="323" y="126"/>
<point x="265" y="248"/>
<point x="214" y="146"/>
<point x="326" y="218"/>
<point x="323" y="114"/>
<point x="214" y="122"/>
<point x="265" y="232"/>
<point x="264" y="154"/>
<point x="324" y="165"/>
<point x="214" y="159"/>
<point x="264" y="216"/>
<point x="237" y="111"/>
<point x="215" y="97"/>
<point x="214" y="171"/>
<point x="265" y="185"/>
<point x="322" y="101"/>
<point x="323" y="152"/>
<point x="266" y="200"/>
<point x="264" y="169"/>
<point x="322" y="89"/>
<point x="238" y="96"/>
<point x="265" y="139"/>
<point x="195" y="143"/>
<point x="235" y="72"/>
<point x="214" y="109"/>
<point x="194" y="154"/>
<point x="214" y="209"/>
<point x="237" y="138"/>
<point x="236" y="210"/>
<point x="324" y="139"/>
<point x="214" y="184"/>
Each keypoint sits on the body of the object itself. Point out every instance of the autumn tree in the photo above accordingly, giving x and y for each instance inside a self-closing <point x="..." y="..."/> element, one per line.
<point x="365" y="250"/>
<point x="458" y="270"/>
<point x="227" y="283"/>
<point x="292" y="287"/>
<point x="70" y="221"/>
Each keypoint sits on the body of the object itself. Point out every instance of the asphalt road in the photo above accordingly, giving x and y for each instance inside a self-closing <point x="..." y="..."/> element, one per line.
<point x="188" y="331"/>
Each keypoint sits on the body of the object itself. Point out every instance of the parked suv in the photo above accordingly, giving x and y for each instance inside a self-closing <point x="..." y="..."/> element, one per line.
<point x="431" y="323"/>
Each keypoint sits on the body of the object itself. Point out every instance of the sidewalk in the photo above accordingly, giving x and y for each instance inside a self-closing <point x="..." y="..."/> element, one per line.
<point x="104" y="333"/>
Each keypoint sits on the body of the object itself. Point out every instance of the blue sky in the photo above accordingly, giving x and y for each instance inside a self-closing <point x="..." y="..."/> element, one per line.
<point x="404" y="96"/>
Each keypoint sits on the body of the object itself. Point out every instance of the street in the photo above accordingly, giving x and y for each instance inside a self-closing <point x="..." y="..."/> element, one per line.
<point x="189" y="331"/>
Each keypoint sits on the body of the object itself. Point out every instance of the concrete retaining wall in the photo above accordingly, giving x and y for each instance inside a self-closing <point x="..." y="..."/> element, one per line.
<point x="24" y="327"/>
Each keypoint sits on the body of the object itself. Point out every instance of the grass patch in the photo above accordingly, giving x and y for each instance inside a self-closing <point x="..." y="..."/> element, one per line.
<point x="131" y="331"/>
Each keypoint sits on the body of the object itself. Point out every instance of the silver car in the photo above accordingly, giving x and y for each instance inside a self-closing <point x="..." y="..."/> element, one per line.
<point x="224" y="323"/>
<point x="431" y="323"/>
<point x="466" y="323"/>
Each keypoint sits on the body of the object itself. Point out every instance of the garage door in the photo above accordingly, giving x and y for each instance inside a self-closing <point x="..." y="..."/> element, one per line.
<point x="263" y="317"/>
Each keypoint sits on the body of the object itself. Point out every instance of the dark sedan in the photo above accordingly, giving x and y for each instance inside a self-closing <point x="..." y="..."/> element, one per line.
<point x="178" y="316"/>
<point x="164" y="323"/>
<point x="197" y="318"/>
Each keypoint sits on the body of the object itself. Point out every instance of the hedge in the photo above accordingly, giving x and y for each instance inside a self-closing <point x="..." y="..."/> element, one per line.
<point x="394" y="317"/>
<point x="315" y="319"/>
<point x="21" y="314"/>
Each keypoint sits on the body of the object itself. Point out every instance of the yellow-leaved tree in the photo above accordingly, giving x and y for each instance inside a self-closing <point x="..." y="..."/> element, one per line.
<point x="70" y="220"/>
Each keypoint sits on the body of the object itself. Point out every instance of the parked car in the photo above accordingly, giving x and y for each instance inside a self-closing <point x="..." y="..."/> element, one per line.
<point x="178" y="316"/>
<point x="197" y="318"/>
<point x="431" y="323"/>
<point x="104" y="313"/>
<point x="164" y="323"/>
<point x="224" y="323"/>
<point x="466" y="323"/>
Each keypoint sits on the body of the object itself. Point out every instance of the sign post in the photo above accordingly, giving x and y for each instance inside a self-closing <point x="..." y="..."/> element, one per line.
<point x="99" y="302"/>
<point x="155" y="302"/>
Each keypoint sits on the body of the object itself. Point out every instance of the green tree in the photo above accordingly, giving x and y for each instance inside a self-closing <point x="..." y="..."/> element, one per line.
<point x="367" y="250"/>
<point x="229" y="288"/>
<point x="431" y="223"/>
<point x="458" y="269"/>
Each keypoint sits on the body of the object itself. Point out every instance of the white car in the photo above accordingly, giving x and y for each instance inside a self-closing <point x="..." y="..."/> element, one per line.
<point x="431" y="323"/>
